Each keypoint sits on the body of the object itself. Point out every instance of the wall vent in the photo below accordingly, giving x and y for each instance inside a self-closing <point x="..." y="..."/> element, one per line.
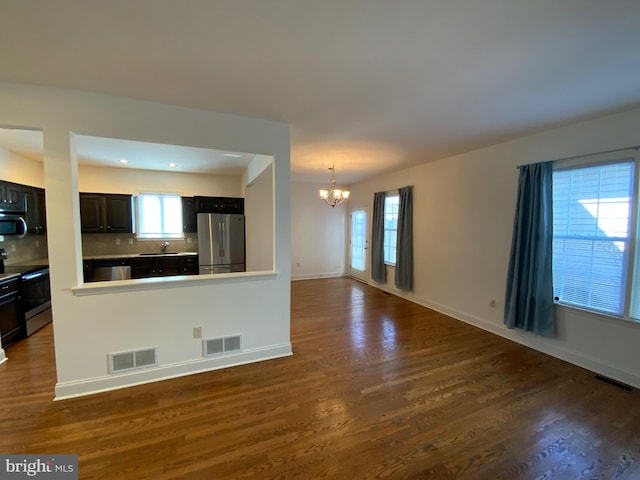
<point x="218" y="346"/>
<point x="133" y="360"/>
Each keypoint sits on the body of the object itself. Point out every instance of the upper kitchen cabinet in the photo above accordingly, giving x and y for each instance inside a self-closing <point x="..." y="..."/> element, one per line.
<point x="106" y="213"/>
<point x="11" y="197"/>
<point x="231" y="205"/>
<point x="34" y="205"/>
<point x="189" y="216"/>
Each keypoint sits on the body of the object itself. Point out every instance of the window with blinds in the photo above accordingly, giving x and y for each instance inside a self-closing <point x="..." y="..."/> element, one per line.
<point x="159" y="215"/>
<point x="593" y="228"/>
<point x="391" y="205"/>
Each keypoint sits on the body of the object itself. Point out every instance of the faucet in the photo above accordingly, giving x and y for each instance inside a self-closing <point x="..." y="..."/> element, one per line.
<point x="163" y="246"/>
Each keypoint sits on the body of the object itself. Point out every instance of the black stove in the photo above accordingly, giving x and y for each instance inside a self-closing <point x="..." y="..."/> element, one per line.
<point x="36" y="295"/>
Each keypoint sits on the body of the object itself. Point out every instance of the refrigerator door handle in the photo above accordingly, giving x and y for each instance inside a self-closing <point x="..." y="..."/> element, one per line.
<point x="222" y="242"/>
<point x="210" y="225"/>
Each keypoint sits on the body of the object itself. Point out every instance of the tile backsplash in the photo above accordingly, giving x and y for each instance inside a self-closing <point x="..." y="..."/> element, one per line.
<point x="23" y="250"/>
<point x="116" y="244"/>
<point x="34" y="247"/>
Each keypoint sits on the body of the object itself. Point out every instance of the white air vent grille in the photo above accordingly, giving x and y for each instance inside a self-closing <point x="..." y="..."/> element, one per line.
<point x="133" y="360"/>
<point x="218" y="346"/>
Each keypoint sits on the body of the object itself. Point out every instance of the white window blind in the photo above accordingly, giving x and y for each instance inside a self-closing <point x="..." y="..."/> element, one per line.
<point x="591" y="235"/>
<point x="160" y="215"/>
<point x="391" y="204"/>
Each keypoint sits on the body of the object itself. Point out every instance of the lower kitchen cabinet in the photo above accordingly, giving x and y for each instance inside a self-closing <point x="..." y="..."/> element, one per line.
<point x="163" y="266"/>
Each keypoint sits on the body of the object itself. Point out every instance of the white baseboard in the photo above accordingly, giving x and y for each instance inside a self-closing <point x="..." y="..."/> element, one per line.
<point x="65" y="390"/>
<point x="538" y="343"/>
<point x="529" y="340"/>
<point x="314" y="276"/>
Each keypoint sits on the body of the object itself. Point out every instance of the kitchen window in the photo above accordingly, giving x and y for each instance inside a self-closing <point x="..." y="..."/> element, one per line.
<point x="391" y="204"/>
<point x="594" y="235"/>
<point x="159" y="215"/>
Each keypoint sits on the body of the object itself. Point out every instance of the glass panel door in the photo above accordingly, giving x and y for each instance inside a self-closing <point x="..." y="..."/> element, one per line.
<point x="359" y="244"/>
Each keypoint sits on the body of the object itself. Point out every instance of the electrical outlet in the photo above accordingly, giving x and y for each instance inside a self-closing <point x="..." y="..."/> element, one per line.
<point x="492" y="302"/>
<point x="37" y="243"/>
<point x="131" y="241"/>
<point x="188" y="239"/>
<point x="117" y="241"/>
<point x="197" y="332"/>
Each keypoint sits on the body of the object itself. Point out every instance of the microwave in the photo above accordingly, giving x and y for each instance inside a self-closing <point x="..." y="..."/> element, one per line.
<point x="12" y="225"/>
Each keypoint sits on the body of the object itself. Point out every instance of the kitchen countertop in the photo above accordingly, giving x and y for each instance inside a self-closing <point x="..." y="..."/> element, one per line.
<point x="28" y="263"/>
<point x="141" y="255"/>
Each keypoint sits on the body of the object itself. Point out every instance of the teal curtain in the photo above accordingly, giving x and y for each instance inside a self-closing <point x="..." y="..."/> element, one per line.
<point x="378" y="270"/>
<point x="529" y="295"/>
<point x="404" y="256"/>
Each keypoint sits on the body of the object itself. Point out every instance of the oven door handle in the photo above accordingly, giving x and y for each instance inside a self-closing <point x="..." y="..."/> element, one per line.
<point x="9" y="297"/>
<point x="31" y="276"/>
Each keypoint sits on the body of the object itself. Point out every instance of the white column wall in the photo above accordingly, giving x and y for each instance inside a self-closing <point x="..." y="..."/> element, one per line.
<point x="87" y="327"/>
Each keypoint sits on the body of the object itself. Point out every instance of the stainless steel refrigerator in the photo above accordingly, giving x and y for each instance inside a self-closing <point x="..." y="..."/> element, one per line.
<point x="221" y="244"/>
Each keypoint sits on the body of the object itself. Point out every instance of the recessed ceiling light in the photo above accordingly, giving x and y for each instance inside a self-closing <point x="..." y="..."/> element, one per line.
<point x="172" y="164"/>
<point x="123" y="160"/>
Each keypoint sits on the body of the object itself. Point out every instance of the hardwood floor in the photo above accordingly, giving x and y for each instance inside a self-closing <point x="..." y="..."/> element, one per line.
<point x="377" y="387"/>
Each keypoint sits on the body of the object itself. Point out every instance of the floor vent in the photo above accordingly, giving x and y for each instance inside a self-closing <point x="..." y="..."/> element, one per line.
<point x="218" y="346"/>
<point x="133" y="360"/>
<point x="615" y="383"/>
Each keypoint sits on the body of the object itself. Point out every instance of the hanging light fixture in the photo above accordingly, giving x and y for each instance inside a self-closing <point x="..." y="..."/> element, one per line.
<point x="334" y="196"/>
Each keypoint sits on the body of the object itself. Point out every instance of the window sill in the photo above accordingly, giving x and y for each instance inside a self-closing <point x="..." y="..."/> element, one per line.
<point x="157" y="283"/>
<point x="159" y="239"/>
<point x="601" y="315"/>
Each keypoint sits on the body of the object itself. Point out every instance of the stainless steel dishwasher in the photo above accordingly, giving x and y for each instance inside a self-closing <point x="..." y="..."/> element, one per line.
<point x="108" y="270"/>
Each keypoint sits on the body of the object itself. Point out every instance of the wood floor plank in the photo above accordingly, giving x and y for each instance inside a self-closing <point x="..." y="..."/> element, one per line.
<point x="378" y="387"/>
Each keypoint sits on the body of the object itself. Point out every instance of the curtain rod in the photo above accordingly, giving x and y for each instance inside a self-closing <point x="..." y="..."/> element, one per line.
<point x="395" y="189"/>
<point x="635" y="147"/>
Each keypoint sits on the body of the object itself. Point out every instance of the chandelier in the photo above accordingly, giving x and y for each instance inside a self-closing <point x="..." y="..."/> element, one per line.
<point x="334" y="196"/>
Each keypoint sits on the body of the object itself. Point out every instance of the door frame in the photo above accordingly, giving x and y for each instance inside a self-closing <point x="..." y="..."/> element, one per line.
<point x="364" y="275"/>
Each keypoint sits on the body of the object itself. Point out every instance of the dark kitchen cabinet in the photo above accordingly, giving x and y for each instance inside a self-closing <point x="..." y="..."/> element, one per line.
<point x="92" y="213"/>
<point x="11" y="197"/>
<point x="163" y="265"/>
<point x="189" y="265"/>
<point x="87" y="270"/>
<point x="106" y="213"/>
<point x="189" y="216"/>
<point x="119" y="213"/>
<point x="154" y="266"/>
<point x="11" y="328"/>
<point x="231" y="205"/>
<point x="34" y="205"/>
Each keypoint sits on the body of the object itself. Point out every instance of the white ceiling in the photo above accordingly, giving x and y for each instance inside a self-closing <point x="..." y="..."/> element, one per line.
<point x="371" y="85"/>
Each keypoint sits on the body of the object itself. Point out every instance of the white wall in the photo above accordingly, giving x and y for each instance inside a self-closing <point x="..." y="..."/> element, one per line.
<point x="259" y="221"/>
<point x="19" y="169"/>
<point x="318" y="234"/>
<point x="90" y="322"/>
<point x="463" y="218"/>
<point x="132" y="181"/>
